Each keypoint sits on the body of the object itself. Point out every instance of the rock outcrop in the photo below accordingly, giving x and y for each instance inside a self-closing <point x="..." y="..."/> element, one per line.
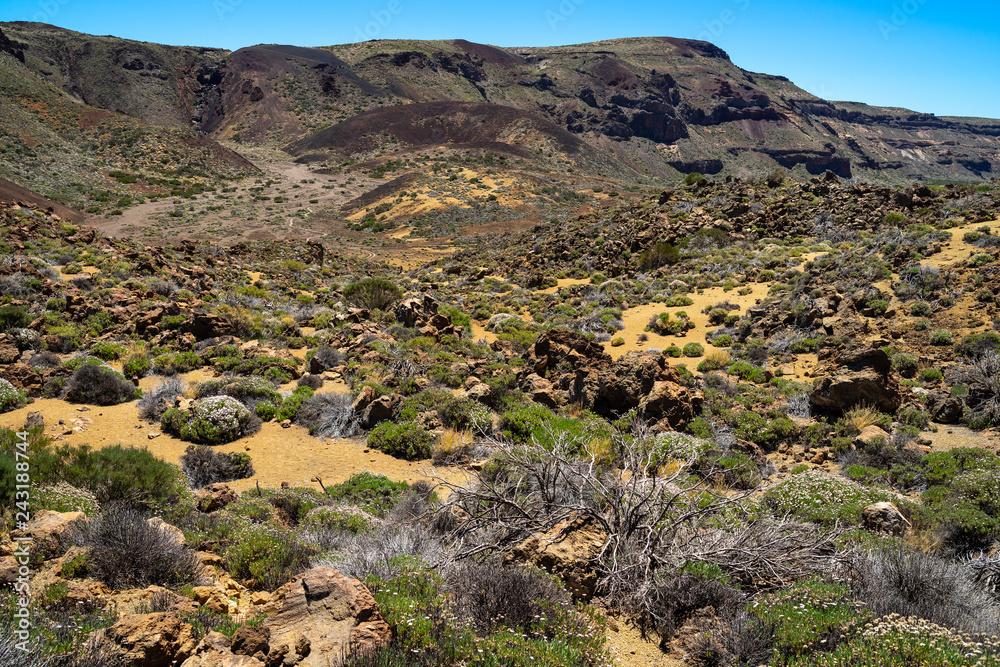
<point x="567" y="550"/>
<point x="862" y="377"/>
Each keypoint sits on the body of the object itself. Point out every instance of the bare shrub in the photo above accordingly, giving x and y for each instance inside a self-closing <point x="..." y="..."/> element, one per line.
<point x="311" y="381"/>
<point x="127" y="551"/>
<point x="44" y="359"/>
<point x="911" y="583"/>
<point x="328" y="357"/>
<point x="329" y="415"/>
<point x="204" y="466"/>
<point x="741" y="639"/>
<point x="655" y="523"/>
<point x="490" y="595"/>
<point x="153" y="404"/>
<point x="982" y="376"/>
<point x="377" y="551"/>
<point x="98" y="385"/>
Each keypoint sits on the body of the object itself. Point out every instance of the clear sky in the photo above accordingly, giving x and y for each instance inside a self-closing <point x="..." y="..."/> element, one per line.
<point x="933" y="56"/>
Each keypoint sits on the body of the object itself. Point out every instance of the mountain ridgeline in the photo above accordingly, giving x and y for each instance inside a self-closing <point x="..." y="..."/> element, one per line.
<point x="653" y="106"/>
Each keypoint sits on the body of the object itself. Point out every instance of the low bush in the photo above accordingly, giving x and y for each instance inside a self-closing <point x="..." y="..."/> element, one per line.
<point x="265" y="557"/>
<point x="312" y="381"/>
<point x="405" y="441"/>
<point x="119" y="474"/>
<point x="11" y="398"/>
<point x="172" y="363"/>
<point x="153" y="404"/>
<point x="372" y="293"/>
<point x="376" y="494"/>
<point x="940" y="337"/>
<point x="204" y="466"/>
<point x="693" y="350"/>
<point x="490" y="595"/>
<point x="13" y="317"/>
<point x="214" y="420"/>
<point x="246" y="390"/>
<point x="821" y="498"/>
<point x="901" y="581"/>
<point x="289" y="408"/>
<point x="98" y="384"/>
<point x="125" y="550"/>
<point x="329" y="415"/>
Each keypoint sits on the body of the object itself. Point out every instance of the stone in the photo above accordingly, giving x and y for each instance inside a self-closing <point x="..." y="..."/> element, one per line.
<point x="23" y="377"/>
<point x="869" y="433"/>
<point x="862" y="377"/>
<point x="34" y="419"/>
<point x="566" y="550"/>
<point x="151" y="640"/>
<point x="538" y="390"/>
<point x="49" y="531"/>
<point x="177" y="533"/>
<point x="884" y="517"/>
<point x="215" y="496"/>
<point x="212" y="598"/>
<point x="214" y="651"/>
<point x="944" y="408"/>
<point x="319" y="616"/>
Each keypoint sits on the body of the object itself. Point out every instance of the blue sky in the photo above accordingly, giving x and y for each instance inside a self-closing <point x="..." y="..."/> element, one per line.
<point x="933" y="56"/>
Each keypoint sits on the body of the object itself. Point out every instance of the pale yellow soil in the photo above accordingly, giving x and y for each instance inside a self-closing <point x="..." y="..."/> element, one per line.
<point x="479" y="332"/>
<point x="629" y="649"/>
<point x="279" y="454"/>
<point x="637" y="318"/>
<point x="950" y="436"/>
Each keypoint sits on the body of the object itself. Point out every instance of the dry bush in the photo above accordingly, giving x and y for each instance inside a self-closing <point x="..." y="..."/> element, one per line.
<point x="153" y="404"/>
<point x="491" y="595"/>
<point x="329" y="415"/>
<point x="657" y="520"/>
<point x="452" y="446"/>
<point x="98" y="385"/>
<point x="982" y="377"/>
<point x="860" y="417"/>
<point x="376" y="552"/>
<point x="311" y="381"/>
<point x="204" y="466"/>
<point x="127" y="551"/>
<point x="911" y="583"/>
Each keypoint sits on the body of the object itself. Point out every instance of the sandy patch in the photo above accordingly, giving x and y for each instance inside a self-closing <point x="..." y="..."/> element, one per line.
<point x="636" y="319"/>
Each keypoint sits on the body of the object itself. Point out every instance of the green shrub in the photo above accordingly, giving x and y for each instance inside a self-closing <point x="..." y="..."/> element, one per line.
<point x="373" y="293"/>
<point x="519" y="423"/>
<point x="246" y="390"/>
<point x="980" y="259"/>
<point x="976" y="344"/>
<point x="931" y="375"/>
<point x="14" y="317"/>
<point x="747" y="371"/>
<point x="172" y="363"/>
<point x="265" y="557"/>
<point x="334" y="518"/>
<point x="658" y="255"/>
<point x="11" y="398"/>
<point x="694" y="178"/>
<point x="8" y="473"/>
<point x="290" y="406"/>
<point x="107" y="351"/>
<point x="119" y="474"/>
<point x="940" y="337"/>
<point x="136" y="366"/>
<point x="376" y="494"/>
<point x="405" y="441"/>
<point x="724" y="340"/>
<point x="693" y="350"/>
<point x="214" y="420"/>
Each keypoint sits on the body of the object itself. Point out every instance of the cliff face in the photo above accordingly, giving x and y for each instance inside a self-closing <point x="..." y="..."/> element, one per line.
<point x="654" y="105"/>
